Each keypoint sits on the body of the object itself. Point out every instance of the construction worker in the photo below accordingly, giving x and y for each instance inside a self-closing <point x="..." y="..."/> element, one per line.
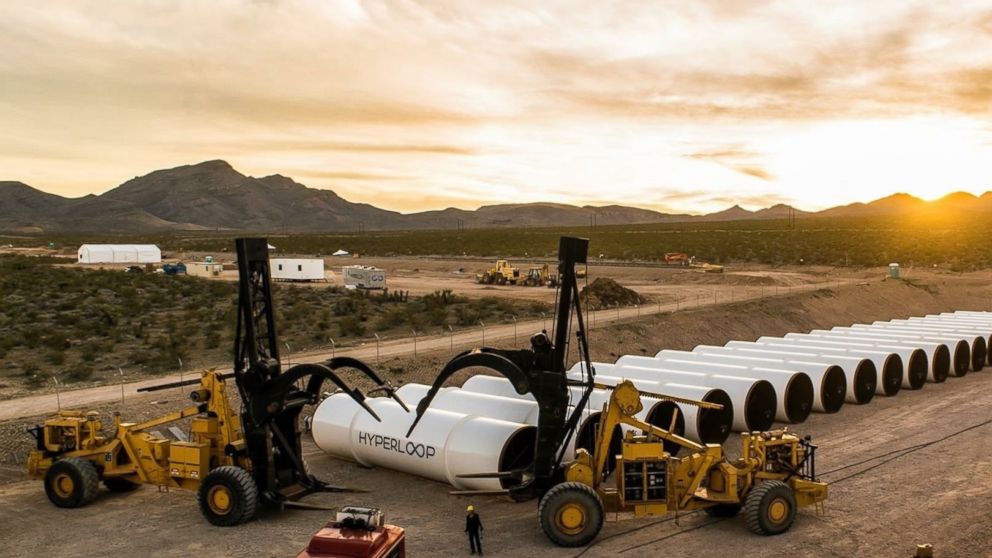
<point x="473" y="526"/>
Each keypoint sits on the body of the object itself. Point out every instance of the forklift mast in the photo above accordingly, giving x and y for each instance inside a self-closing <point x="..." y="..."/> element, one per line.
<point x="541" y="371"/>
<point x="272" y="399"/>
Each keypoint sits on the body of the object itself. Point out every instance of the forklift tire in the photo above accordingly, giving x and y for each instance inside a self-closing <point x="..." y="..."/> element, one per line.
<point x="571" y="514"/>
<point x="228" y="496"/>
<point x="72" y="482"/>
<point x="120" y="484"/>
<point x="723" y="510"/>
<point x="770" y="508"/>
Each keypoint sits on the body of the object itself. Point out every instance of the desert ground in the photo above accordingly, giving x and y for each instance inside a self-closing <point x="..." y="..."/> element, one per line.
<point x="915" y="465"/>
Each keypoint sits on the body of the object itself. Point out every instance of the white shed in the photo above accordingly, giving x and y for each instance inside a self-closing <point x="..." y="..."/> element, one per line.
<point x="363" y="277"/>
<point x="297" y="269"/>
<point x="119" y="253"/>
<point x="204" y="269"/>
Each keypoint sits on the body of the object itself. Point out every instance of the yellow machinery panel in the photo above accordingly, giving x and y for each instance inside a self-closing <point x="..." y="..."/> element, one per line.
<point x="206" y="426"/>
<point x="189" y="460"/>
<point x="159" y="448"/>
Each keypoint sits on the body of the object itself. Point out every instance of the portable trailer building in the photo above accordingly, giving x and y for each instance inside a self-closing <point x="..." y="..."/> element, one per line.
<point x="297" y="269"/>
<point x="363" y="277"/>
<point x="204" y="269"/>
<point x="119" y="253"/>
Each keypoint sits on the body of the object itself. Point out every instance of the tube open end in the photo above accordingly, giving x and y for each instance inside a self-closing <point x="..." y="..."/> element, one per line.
<point x="799" y="398"/>
<point x="962" y="358"/>
<point x="940" y="368"/>
<point x="833" y="389"/>
<point x="917" y="369"/>
<point x="892" y="375"/>
<point x="714" y="425"/>
<point x="760" y="406"/>
<point x="518" y="453"/>
<point x="865" y="381"/>
<point x="979" y="352"/>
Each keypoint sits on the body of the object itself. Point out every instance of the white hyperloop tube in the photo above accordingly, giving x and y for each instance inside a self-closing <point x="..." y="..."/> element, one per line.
<point x="889" y="365"/>
<point x="472" y="403"/>
<point x="983" y="320"/>
<point x="983" y="329"/>
<point x="755" y="400"/>
<point x="829" y="382"/>
<point x="938" y="354"/>
<point x="978" y="338"/>
<point x="444" y="445"/>
<point x="475" y="397"/>
<point x="860" y="373"/>
<point x="795" y="389"/>
<point x="915" y="363"/>
<point x="708" y="426"/>
<point x="960" y="350"/>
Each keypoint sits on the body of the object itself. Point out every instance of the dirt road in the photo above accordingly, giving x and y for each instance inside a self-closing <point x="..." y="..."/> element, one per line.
<point x="518" y="333"/>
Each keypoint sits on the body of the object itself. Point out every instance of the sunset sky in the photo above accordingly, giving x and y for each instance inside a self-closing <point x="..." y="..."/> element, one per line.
<point x="410" y="105"/>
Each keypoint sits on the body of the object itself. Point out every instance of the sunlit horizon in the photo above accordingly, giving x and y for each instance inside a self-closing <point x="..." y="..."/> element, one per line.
<point x="431" y="104"/>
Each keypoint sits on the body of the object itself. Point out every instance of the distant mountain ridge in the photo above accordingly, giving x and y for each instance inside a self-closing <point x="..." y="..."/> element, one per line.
<point x="214" y="196"/>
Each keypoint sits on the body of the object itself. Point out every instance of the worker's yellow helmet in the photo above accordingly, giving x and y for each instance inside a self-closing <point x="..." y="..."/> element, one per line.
<point x="470" y="508"/>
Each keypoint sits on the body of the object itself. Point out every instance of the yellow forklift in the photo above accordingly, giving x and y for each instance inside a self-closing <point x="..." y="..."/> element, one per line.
<point x="774" y="476"/>
<point x="235" y="460"/>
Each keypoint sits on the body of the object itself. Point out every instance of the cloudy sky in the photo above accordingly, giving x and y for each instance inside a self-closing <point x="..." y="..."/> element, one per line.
<point x="410" y="105"/>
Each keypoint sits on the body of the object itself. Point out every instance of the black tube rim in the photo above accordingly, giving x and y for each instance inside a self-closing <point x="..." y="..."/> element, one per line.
<point x="798" y="398"/>
<point x="892" y="374"/>
<point x="760" y="406"/>
<point x="918" y="368"/>
<point x="865" y="381"/>
<point x="833" y="389"/>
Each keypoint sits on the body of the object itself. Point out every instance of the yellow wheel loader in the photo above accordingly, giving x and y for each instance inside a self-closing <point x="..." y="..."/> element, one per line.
<point x="500" y="274"/>
<point x="236" y="461"/>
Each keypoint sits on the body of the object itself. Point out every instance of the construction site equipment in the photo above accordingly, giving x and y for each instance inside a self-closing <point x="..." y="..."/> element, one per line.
<point x="236" y="461"/>
<point x="539" y="276"/>
<point x="502" y="273"/>
<point x="774" y="476"/>
<point x="707" y="267"/>
<point x="357" y="532"/>
<point x="677" y="258"/>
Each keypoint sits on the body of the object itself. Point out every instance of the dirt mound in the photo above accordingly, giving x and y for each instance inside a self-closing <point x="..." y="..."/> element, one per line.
<point x="607" y="293"/>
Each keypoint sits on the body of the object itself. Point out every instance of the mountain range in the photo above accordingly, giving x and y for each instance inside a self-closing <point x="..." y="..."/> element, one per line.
<point x="214" y="196"/>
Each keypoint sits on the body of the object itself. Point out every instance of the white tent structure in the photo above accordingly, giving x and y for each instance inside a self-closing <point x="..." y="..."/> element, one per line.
<point x="119" y="253"/>
<point x="341" y="253"/>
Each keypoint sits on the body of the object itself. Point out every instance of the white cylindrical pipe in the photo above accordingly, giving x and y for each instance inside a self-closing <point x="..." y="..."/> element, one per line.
<point x="829" y="382"/>
<point x="444" y="445"/>
<point x="472" y="403"/>
<point x="707" y="426"/>
<point x="960" y="350"/>
<point x="888" y="364"/>
<point x="755" y="400"/>
<point x="938" y="354"/>
<point x="963" y="326"/>
<point x="462" y="399"/>
<point x="914" y="361"/>
<point x="795" y="389"/>
<point x="474" y="398"/>
<point x="491" y="385"/>
<point x="977" y="338"/>
<point x="860" y="373"/>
